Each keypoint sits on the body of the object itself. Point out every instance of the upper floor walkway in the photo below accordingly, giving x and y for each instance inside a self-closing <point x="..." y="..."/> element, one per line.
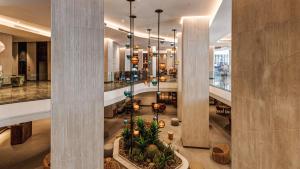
<point x="32" y="102"/>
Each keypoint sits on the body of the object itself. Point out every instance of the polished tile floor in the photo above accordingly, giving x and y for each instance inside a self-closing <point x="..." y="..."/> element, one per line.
<point x="33" y="90"/>
<point x="30" y="91"/>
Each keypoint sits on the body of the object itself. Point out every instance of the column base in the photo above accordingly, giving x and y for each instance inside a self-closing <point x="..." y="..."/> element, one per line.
<point x="20" y="133"/>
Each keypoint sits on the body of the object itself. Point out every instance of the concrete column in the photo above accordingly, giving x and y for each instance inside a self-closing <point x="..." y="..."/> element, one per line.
<point x="127" y="60"/>
<point x="179" y="76"/>
<point x="211" y="61"/>
<point x="154" y="66"/>
<point x="116" y="57"/>
<point x="77" y="84"/>
<point x="195" y="83"/>
<point x="122" y="59"/>
<point x="170" y="59"/>
<point x="141" y="59"/>
<point x="108" y="59"/>
<point x="31" y="61"/>
<point x="265" y="84"/>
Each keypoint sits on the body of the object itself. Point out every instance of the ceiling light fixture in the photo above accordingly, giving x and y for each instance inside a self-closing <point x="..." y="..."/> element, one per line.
<point x="36" y="29"/>
<point x="193" y="17"/>
<point x="115" y="26"/>
<point x="24" y="26"/>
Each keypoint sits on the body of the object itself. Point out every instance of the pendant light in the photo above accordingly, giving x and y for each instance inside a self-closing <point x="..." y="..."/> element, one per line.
<point x="148" y="58"/>
<point x="133" y="70"/>
<point x="158" y="11"/>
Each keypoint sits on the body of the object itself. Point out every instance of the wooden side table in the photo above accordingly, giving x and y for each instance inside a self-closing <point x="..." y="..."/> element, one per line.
<point x="20" y="133"/>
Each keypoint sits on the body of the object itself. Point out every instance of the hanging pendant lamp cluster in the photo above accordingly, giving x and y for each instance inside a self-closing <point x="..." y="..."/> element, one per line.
<point x="134" y="73"/>
<point x="173" y="70"/>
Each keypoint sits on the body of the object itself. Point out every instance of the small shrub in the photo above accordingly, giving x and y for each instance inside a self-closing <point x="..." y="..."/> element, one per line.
<point x="151" y="151"/>
<point x="160" y="161"/>
<point x="141" y="143"/>
<point x="169" y="152"/>
<point x="141" y="157"/>
<point x="126" y="137"/>
<point x="153" y="133"/>
<point x="141" y="126"/>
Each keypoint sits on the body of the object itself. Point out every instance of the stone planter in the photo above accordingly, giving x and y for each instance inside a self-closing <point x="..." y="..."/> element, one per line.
<point x="128" y="164"/>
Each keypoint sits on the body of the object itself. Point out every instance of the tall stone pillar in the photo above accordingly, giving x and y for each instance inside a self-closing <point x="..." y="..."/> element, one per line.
<point x="266" y="84"/>
<point x="211" y="61"/>
<point x="141" y="59"/>
<point x="195" y="82"/>
<point x="170" y="59"/>
<point x="116" y="57"/>
<point x="77" y="84"/>
<point x="108" y="59"/>
<point x="179" y="76"/>
<point x="127" y="60"/>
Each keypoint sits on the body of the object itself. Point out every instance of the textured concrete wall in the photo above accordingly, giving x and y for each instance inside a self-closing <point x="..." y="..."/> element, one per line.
<point x="266" y="84"/>
<point x="77" y="120"/>
<point x="195" y="83"/>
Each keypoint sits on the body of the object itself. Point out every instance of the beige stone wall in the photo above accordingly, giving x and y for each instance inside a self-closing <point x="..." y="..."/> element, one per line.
<point x="266" y="84"/>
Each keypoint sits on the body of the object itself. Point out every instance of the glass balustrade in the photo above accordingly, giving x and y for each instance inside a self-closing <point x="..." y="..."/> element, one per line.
<point x="220" y="80"/>
<point x="15" y="89"/>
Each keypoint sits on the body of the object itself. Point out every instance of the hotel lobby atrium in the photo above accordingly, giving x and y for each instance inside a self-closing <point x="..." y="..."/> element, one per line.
<point x="149" y="84"/>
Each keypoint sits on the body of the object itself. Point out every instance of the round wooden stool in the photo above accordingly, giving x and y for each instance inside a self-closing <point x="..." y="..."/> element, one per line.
<point x="221" y="153"/>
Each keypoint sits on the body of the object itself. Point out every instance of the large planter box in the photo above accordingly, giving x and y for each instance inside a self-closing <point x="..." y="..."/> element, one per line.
<point x="128" y="164"/>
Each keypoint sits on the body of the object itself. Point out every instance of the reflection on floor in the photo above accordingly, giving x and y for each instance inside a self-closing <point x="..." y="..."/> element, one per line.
<point x="30" y="154"/>
<point x="34" y="90"/>
<point x="30" y="91"/>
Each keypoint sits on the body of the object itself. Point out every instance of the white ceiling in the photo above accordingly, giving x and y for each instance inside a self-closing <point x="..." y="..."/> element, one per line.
<point x="117" y="11"/>
<point x="221" y="25"/>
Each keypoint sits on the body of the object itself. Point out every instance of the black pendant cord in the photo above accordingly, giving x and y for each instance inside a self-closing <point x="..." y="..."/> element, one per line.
<point x="158" y="11"/>
<point x="174" y="47"/>
<point x="149" y="57"/>
<point x="131" y="35"/>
